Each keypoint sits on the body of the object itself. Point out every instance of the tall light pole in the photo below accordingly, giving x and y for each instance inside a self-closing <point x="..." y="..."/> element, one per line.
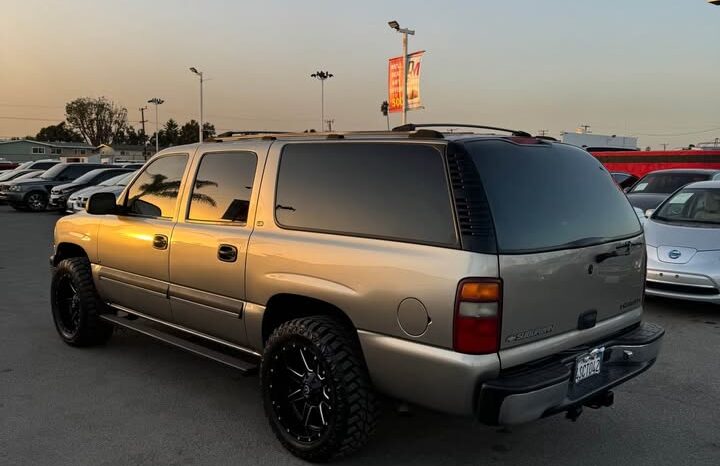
<point x="200" y="73"/>
<point x="405" y="32"/>
<point x="157" y="101"/>
<point x="322" y="76"/>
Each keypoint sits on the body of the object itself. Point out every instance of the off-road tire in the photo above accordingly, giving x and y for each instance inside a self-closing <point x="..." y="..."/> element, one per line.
<point x="353" y="403"/>
<point x="89" y="330"/>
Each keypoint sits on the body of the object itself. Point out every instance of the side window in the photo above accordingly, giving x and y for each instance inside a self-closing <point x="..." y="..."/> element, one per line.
<point x="223" y="186"/>
<point x="154" y="193"/>
<point x="383" y="190"/>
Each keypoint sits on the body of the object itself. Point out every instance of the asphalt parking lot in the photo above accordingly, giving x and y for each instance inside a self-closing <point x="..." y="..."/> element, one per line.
<point x="137" y="401"/>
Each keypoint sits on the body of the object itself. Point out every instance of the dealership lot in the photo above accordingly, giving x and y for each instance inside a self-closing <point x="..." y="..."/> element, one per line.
<point x="137" y="401"/>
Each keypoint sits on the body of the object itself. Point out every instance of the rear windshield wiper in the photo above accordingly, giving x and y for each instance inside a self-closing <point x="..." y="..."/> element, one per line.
<point x="622" y="250"/>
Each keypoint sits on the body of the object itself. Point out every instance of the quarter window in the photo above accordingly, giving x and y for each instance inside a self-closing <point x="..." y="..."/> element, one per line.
<point x="154" y="193"/>
<point x="222" y="188"/>
<point x="381" y="190"/>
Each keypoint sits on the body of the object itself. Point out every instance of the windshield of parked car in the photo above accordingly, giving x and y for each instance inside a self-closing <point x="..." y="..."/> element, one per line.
<point x="51" y="173"/>
<point x="546" y="197"/>
<point x="89" y="176"/>
<point x="28" y="175"/>
<point x="23" y="166"/>
<point x="120" y="180"/>
<point x="692" y="205"/>
<point x="666" y="183"/>
<point x="10" y="175"/>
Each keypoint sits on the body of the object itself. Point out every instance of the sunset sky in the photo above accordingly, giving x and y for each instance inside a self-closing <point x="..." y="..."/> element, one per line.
<point x="649" y="68"/>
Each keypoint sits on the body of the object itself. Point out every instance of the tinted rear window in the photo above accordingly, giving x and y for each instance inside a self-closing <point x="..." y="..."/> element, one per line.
<point x="666" y="183"/>
<point x="381" y="190"/>
<point x="550" y="196"/>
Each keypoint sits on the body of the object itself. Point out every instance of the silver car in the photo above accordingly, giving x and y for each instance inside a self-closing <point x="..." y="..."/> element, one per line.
<point x="114" y="185"/>
<point x="683" y="244"/>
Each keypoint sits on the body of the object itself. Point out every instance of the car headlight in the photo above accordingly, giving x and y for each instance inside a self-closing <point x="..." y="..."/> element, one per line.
<point x="15" y="188"/>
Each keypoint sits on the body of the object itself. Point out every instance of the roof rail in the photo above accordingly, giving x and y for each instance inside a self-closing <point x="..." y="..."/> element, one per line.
<point x="235" y="135"/>
<point x="415" y="126"/>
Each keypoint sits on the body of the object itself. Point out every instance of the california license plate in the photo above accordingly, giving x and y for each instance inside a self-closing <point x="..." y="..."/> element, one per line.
<point x="589" y="364"/>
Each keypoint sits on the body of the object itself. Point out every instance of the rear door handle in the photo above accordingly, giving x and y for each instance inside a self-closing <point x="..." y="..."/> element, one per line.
<point x="227" y="253"/>
<point x="160" y="242"/>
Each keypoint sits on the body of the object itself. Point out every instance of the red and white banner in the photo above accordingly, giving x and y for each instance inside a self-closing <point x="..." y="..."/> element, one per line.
<point x="395" y="82"/>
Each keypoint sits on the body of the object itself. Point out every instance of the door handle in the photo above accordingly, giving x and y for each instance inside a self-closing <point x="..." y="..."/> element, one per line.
<point x="227" y="253"/>
<point x="160" y="242"/>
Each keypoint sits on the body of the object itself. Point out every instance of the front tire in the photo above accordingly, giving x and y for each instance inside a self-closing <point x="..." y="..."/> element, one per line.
<point x="36" y="201"/>
<point x="76" y="305"/>
<point x="316" y="389"/>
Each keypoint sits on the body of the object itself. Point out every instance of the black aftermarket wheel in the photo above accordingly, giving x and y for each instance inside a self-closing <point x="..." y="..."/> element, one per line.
<point x="316" y="389"/>
<point x="76" y="305"/>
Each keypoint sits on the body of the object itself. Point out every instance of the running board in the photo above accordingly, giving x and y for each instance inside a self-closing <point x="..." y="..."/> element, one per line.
<point x="246" y="367"/>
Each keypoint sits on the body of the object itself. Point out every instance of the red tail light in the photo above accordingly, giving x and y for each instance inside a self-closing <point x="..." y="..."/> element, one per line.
<point x="477" y="316"/>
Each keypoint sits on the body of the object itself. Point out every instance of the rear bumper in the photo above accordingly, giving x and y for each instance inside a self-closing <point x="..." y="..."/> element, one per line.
<point x="532" y="393"/>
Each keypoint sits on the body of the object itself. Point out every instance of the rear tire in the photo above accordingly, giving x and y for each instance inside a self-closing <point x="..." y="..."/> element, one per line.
<point x="76" y="306"/>
<point x="316" y="389"/>
<point x="36" y="201"/>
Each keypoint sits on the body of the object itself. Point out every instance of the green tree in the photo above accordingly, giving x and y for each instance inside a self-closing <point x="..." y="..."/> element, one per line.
<point x="59" y="132"/>
<point x="170" y="134"/>
<point x="189" y="132"/>
<point x="133" y="137"/>
<point x="98" y="120"/>
<point x="208" y="130"/>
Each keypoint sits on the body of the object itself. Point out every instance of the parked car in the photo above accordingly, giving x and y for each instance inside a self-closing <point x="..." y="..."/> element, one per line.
<point x="60" y="194"/>
<point x="5" y="165"/>
<point x="656" y="186"/>
<point x="33" y="194"/>
<point x="43" y="164"/>
<point x="78" y="200"/>
<point x="11" y="175"/>
<point x="624" y="180"/>
<point x="435" y="268"/>
<point x="683" y="245"/>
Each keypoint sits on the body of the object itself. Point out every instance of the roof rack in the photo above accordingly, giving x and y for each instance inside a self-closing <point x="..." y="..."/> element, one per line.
<point x="415" y="126"/>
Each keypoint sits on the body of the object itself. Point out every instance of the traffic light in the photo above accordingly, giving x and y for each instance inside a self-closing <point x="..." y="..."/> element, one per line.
<point x="384" y="106"/>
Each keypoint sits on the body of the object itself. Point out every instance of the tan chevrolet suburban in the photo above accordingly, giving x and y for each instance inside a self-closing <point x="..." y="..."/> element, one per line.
<point x="486" y="273"/>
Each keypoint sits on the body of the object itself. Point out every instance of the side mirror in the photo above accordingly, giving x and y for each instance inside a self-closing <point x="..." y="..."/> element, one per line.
<point x="102" y="204"/>
<point x="649" y="212"/>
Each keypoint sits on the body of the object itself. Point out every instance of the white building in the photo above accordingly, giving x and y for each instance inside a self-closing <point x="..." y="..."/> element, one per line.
<point x="592" y="141"/>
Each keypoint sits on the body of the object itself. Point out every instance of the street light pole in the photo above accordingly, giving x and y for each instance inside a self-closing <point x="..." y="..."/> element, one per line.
<point x="157" y="102"/>
<point x="405" y="32"/>
<point x="322" y="76"/>
<point x="200" y="74"/>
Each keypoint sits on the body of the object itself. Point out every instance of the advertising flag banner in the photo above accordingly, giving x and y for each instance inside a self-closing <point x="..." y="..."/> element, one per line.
<point x="395" y="82"/>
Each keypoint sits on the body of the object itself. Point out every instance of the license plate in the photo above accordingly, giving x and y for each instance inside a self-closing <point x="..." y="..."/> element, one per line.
<point x="589" y="364"/>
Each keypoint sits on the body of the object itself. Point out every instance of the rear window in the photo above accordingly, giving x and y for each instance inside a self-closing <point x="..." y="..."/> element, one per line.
<point x="378" y="190"/>
<point x="666" y="183"/>
<point x="545" y="197"/>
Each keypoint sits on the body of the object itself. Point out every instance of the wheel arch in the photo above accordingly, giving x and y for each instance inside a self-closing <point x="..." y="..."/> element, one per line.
<point x="66" y="251"/>
<point x="284" y="307"/>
